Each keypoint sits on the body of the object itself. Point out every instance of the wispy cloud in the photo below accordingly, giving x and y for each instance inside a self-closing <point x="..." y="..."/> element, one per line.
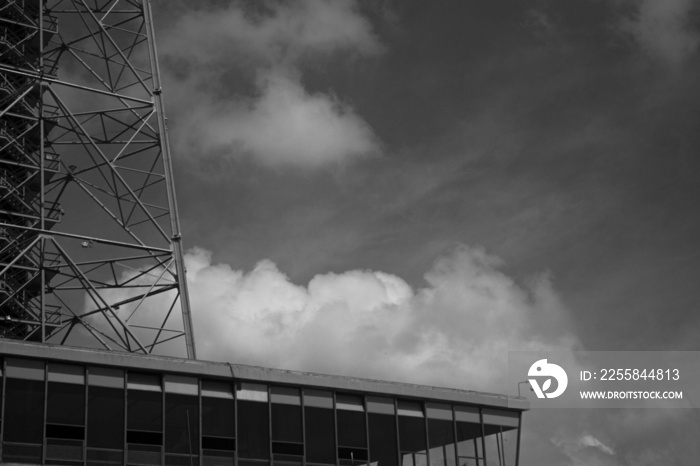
<point x="590" y="441"/>
<point x="277" y="32"/>
<point x="663" y="29"/>
<point x="280" y="123"/>
<point x="586" y="450"/>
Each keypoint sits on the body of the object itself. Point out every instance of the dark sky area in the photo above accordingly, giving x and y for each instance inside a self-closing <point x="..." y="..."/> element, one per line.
<point x="524" y="172"/>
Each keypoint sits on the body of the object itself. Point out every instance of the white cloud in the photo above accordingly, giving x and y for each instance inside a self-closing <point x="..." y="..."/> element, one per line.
<point x="284" y="126"/>
<point x="590" y="441"/>
<point x="454" y="332"/>
<point x="662" y="29"/>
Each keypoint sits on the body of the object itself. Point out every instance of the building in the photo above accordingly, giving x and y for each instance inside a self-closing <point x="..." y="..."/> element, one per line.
<point x="75" y="406"/>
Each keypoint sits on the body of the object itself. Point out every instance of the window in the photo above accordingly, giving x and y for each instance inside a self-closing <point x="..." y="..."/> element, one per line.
<point x="412" y="433"/>
<point x="66" y="399"/>
<point x="253" y="422"/>
<point x="382" y="431"/>
<point x="181" y="420"/>
<point x="319" y="427"/>
<point x="440" y="435"/>
<point x="105" y="409"/>
<point x="24" y="406"/>
<point x="145" y="408"/>
<point x="144" y="435"/>
<point x="218" y="423"/>
<point x="352" y="429"/>
<point x="65" y="413"/>
<point x="469" y="441"/>
<point x="287" y="435"/>
<point x="501" y="435"/>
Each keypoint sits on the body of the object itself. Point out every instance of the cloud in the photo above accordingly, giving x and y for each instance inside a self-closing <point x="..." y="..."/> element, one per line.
<point x="455" y="332"/>
<point x="283" y="126"/>
<point x="284" y="32"/>
<point x="590" y="441"/>
<point x="586" y="450"/>
<point x="218" y="55"/>
<point x="662" y="29"/>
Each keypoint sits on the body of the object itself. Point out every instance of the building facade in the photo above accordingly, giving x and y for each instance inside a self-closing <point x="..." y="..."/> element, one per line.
<point x="74" y="407"/>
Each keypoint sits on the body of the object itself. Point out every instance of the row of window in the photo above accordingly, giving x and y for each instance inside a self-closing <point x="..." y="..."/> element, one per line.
<point x="75" y="415"/>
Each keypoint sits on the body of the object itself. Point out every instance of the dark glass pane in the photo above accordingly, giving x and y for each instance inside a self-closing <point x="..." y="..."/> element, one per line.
<point x="352" y="454"/>
<point x="64" y="452"/>
<point x="285" y="448"/>
<point x="218" y="443"/>
<point x="143" y="454"/>
<point x="66" y="404"/>
<point x="412" y="433"/>
<point x="144" y="411"/>
<point x="468" y="430"/>
<point x="286" y="423"/>
<point x="468" y="439"/>
<point x="24" y="411"/>
<point x="320" y="435"/>
<point x="58" y="431"/>
<point x="246" y="462"/>
<point x="253" y="430"/>
<point x="502" y="447"/>
<point x="352" y="430"/>
<point x="144" y="438"/>
<point x="105" y="417"/>
<point x="218" y="417"/>
<point x="178" y="459"/>
<point x="181" y="418"/>
<point x="382" y="439"/>
<point x="440" y="433"/>
<point x="441" y="442"/>
<point x="100" y="457"/>
<point x="286" y="460"/>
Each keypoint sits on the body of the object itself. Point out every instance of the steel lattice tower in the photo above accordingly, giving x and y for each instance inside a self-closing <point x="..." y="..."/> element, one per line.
<point x="90" y="249"/>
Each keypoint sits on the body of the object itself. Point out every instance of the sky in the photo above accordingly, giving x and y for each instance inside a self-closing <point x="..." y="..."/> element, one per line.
<point x="407" y="190"/>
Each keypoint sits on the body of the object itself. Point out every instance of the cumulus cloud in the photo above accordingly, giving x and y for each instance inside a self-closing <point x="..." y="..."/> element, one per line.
<point x="663" y="30"/>
<point x="456" y="331"/>
<point x="279" y="123"/>
<point x="283" y="126"/>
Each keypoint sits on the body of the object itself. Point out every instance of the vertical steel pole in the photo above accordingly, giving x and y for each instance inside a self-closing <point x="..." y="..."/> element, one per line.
<point x="427" y="433"/>
<point x="86" y="395"/>
<point x="517" y="445"/>
<point x="170" y="186"/>
<point x="398" y="435"/>
<point x="483" y="435"/>
<point x="42" y="179"/>
<point x="454" y="433"/>
<point x="43" y="419"/>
